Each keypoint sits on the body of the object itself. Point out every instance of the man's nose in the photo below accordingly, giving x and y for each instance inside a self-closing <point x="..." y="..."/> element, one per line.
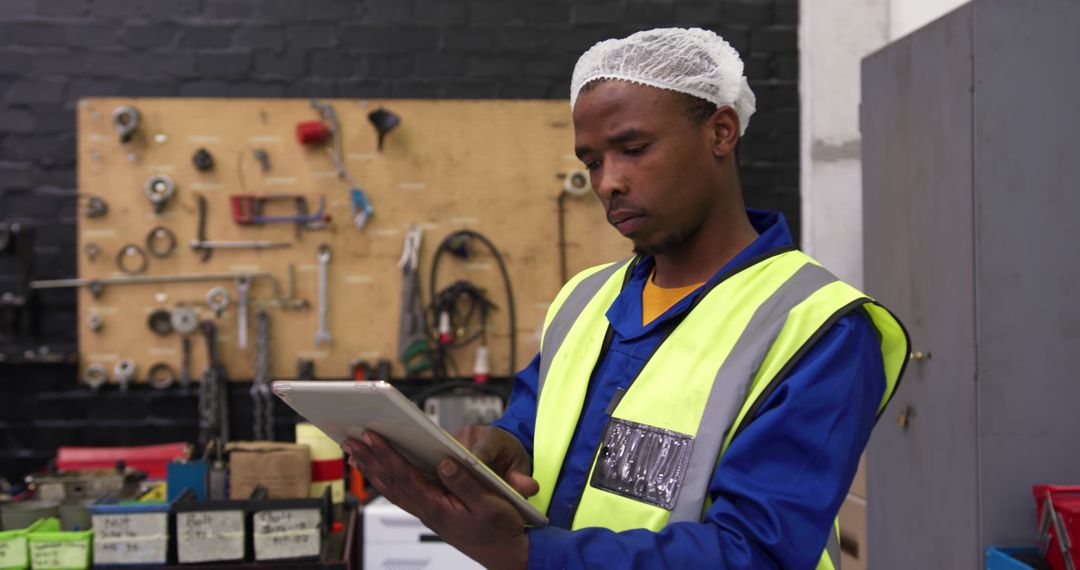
<point x="608" y="181"/>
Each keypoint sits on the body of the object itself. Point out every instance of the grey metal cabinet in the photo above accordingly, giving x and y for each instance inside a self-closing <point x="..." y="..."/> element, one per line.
<point x="971" y="211"/>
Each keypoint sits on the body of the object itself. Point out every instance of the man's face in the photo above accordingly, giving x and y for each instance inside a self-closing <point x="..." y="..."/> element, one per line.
<point x="652" y="167"/>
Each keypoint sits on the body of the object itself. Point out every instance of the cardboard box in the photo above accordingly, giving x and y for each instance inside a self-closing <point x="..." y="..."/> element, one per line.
<point x="853" y="533"/>
<point x="283" y="468"/>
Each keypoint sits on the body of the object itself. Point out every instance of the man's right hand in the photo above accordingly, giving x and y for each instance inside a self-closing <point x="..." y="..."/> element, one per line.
<point x="503" y="453"/>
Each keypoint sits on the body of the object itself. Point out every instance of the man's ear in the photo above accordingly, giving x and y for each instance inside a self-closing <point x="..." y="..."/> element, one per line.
<point x="724" y="125"/>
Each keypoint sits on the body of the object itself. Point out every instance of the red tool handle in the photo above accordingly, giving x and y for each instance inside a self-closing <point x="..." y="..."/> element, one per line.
<point x="243" y="208"/>
<point x="312" y="132"/>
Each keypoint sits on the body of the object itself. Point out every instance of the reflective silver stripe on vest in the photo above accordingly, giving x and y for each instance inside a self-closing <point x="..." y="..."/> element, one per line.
<point x="832" y="548"/>
<point x="729" y="389"/>
<point x="566" y="317"/>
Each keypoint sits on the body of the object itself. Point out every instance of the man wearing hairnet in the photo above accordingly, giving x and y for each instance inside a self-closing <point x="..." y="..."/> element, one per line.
<point x="701" y="404"/>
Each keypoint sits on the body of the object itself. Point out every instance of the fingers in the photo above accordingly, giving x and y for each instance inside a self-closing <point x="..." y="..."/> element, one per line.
<point x="473" y="494"/>
<point x="459" y="482"/>
<point x="483" y="505"/>
<point x="393" y="476"/>
<point x="522" y="483"/>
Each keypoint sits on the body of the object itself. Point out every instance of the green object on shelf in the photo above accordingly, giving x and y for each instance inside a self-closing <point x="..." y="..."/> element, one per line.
<point x="13" y="552"/>
<point x="14" y="544"/>
<point x="57" y="550"/>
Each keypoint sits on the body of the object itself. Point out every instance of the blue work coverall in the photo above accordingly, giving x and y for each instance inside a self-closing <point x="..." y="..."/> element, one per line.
<point x="779" y="485"/>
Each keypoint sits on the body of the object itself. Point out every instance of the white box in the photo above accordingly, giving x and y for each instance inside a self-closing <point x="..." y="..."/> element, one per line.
<point x="395" y="539"/>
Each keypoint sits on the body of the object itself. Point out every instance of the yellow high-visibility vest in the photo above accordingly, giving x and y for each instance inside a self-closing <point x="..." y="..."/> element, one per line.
<point x="703" y="384"/>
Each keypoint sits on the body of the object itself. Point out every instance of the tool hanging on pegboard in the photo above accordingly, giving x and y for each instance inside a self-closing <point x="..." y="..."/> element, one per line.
<point x="125" y="120"/>
<point x="283" y="297"/>
<point x="250" y="209"/>
<point x="412" y="333"/>
<point x="204" y="247"/>
<point x="316" y="133"/>
<point x="260" y="386"/>
<point x="322" y="331"/>
<point x="213" y="392"/>
<point x="384" y="121"/>
<point x="459" y="312"/>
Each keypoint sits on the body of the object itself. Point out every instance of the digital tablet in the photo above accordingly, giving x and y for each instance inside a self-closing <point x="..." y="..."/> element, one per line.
<point x="344" y="409"/>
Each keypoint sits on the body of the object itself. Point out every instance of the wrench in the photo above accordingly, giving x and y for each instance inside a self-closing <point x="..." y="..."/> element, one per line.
<point x="243" y="285"/>
<point x="322" y="335"/>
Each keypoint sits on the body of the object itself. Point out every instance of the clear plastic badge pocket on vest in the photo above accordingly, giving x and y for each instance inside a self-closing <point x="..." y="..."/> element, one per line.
<point x="642" y="462"/>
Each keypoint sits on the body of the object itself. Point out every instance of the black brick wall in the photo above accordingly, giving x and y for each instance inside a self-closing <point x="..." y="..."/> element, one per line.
<point x="52" y="52"/>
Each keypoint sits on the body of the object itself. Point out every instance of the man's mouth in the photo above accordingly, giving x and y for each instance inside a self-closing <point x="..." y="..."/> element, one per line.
<point x="626" y="221"/>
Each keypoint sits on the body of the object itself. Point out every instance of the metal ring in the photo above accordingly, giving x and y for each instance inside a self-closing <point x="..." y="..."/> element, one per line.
<point x="125" y="120"/>
<point x="184" y="320"/>
<point x="160" y="322"/>
<point x="159" y="189"/>
<point x="218" y="299"/>
<point x="154" y="238"/>
<point x="161" y="376"/>
<point x="131" y="250"/>
<point x="95" y="376"/>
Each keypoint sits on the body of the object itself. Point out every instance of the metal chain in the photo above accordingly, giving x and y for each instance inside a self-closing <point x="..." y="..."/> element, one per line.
<point x="260" y="386"/>
<point x="213" y="403"/>
<point x="208" y="406"/>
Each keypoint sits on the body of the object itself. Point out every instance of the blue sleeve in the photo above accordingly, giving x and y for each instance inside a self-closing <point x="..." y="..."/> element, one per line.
<point x="779" y="485"/>
<point x="520" y="416"/>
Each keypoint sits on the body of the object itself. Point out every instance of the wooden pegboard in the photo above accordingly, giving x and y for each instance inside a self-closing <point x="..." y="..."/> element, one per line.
<point x="490" y="166"/>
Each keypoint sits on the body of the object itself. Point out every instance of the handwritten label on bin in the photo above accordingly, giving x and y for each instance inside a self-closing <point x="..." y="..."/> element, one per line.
<point x="130" y="538"/>
<point x="205" y="536"/>
<point x="13" y="552"/>
<point x="289" y="533"/>
<point x="57" y="554"/>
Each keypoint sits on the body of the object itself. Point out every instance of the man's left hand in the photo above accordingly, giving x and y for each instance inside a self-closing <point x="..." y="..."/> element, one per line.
<point x="463" y="511"/>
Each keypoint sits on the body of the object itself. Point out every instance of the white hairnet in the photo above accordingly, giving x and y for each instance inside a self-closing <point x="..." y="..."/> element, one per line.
<point x="692" y="61"/>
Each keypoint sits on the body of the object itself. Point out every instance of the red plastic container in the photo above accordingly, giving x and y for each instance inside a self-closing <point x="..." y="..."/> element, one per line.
<point x="154" y="459"/>
<point x="1065" y="502"/>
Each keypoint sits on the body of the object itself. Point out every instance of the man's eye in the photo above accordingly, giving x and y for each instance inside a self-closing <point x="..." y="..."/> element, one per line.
<point x="635" y="150"/>
<point x="592" y="165"/>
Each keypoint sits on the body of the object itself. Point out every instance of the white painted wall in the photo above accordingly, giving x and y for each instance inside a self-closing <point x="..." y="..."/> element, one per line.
<point x="834" y="36"/>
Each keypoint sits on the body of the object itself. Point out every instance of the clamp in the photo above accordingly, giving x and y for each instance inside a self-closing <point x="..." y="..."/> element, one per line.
<point x="205" y="247"/>
<point x="248" y="209"/>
